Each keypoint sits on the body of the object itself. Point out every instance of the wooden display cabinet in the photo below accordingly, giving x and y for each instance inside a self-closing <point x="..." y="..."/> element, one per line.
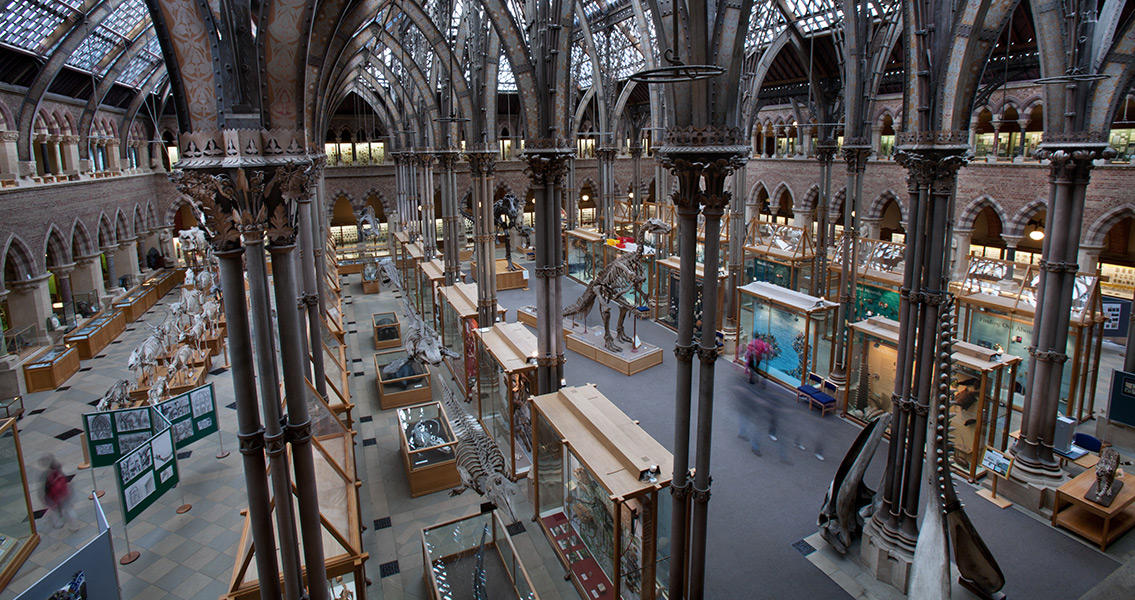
<point x="778" y="254"/>
<point x="585" y="254"/>
<point x="18" y="535"/>
<point x="429" y="449"/>
<point x="797" y="327"/>
<point x="506" y="280"/>
<point x="387" y="330"/>
<point x="411" y="385"/>
<point x="450" y="551"/>
<point x="136" y="303"/>
<point x="431" y="276"/>
<point x="97" y="333"/>
<point x="458" y="304"/>
<point x="506" y="358"/>
<point x="601" y="495"/>
<point x="50" y="368"/>
<point x="666" y="295"/>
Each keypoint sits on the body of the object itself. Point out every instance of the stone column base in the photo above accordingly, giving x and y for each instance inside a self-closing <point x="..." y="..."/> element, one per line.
<point x="11" y="382"/>
<point x="729" y="332"/>
<point x="888" y="559"/>
<point x="1031" y="489"/>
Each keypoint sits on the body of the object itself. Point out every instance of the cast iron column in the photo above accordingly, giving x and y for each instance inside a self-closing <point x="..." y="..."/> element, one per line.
<point x="571" y="197"/>
<point x="429" y="216"/>
<point x="547" y="161"/>
<point x="450" y="217"/>
<point x="606" y="156"/>
<point x="309" y="244"/>
<point x="481" y="165"/>
<point x="249" y="430"/>
<point x="413" y="203"/>
<point x="1069" y="172"/>
<point x="636" y="186"/>
<point x="737" y="227"/>
<point x="856" y="157"/>
<point x="825" y="153"/>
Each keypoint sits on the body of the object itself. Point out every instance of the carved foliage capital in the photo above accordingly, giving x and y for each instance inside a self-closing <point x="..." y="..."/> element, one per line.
<point x="546" y="169"/>
<point x="481" y="163"/>
<point x="935" y="170"/>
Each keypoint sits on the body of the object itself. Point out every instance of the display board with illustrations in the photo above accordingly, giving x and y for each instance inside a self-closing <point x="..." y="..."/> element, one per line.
<point x="192" y="415"/>
<point x="146" y="472"/>
<point x="113" y="434"/>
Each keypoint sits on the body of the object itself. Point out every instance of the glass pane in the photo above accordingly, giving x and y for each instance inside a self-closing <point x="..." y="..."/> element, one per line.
<point x="15" y="528"/>
<point x="549" y="468"/>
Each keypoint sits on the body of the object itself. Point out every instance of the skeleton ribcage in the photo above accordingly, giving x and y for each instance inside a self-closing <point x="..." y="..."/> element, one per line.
<point x="476" y="451"/>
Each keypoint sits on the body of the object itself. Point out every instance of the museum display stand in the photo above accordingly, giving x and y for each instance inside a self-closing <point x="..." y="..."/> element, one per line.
<point x="451" y="549"/>
<point x="429" y="449"/>
<point x="879" y="273"/>
<point x="667" y="295"/>
<point x="412" y="256"/>
<point x="165" y="280"/>
<point x="18" y="535"/>
<point x="797" y="327"/>
<point x="585" y="336"/>
<point x="410" y="385"/>
<point x="458" y="305"/>
<point x="431" y="276"/>
<point x="1100" y="524"/>
<point x="601" y="495"/>
<point x="96" y="333"/>
<point x="371" y="286"/>
<point x="334" y="327"/>
<point x="778" y="254"/>
<point x="50" y="368"/>
<point x="398" y="242"/>
<point x="178" y="383"/>
<point x="387" y="330"/>
<point x="585" y="254"/>
<point x="506" y="279"/>
<point x="506" y="358"/>
<point x="353" y="259"/>
<point x="337" y="484"/>
<point x="135" y="304"/>
<point x="980" y="412"/>
<point x="996" y="305"/>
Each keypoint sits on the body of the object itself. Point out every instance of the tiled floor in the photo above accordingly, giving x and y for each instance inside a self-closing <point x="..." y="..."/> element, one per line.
<point x="191" y="556"/>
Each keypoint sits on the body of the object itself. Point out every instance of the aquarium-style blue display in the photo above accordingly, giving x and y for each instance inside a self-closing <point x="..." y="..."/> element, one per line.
<point x="796" y="327"/>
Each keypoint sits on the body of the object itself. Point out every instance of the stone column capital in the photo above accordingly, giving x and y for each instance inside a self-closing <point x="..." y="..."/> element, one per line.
<point x="1011" y="241"/>
<point x="9" y="136"/>
<point x="62" y="270"/>
<point x="26" y="286"/>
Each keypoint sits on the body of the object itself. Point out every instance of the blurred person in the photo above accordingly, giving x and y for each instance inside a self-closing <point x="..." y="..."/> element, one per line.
<point x="57" y="496"/>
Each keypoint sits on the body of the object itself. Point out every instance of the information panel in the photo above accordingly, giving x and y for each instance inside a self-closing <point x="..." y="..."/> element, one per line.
<point x="147" y="472"/>
<point x="113" y="434"/>
<point x="192" y="415"/>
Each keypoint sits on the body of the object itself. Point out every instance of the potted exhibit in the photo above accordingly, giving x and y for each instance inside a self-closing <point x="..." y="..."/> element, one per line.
<point x="506" y="356"/>
<point x="429" y="449"/>
<point x="797" y="329"/>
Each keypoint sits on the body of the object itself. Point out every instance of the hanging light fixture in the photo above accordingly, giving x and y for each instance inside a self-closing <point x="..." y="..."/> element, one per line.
<point x="1035" y="230"/>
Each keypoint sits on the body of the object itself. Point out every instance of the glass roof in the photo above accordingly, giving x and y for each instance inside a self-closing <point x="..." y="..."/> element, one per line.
<point x="135" y="73"/>
<point x="28" y="24"/>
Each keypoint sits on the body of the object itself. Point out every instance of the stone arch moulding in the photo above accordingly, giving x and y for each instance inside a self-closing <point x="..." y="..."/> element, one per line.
<point x="1096" y="233"/>
<point x="969" y="213"/>
<point x="811" y="198"/>
<point x="1016" y="225"/>
<point x="121" y="226"/>
<point x="879" y="205"/>
<point x="16" y="250"/>
<point x="755" y="191"/>
<point x="106" y="238"/>
<point x="85" y="245"/>
<point x="56" y="250"/>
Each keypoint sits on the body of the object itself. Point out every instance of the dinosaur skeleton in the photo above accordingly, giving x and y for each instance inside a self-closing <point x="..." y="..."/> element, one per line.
<point x="421" y="342"/>
<point x="507" y="217"/>
<point x="480" y="463"/>
<point x="366" y="217"/>
<point x="620" y="276"/>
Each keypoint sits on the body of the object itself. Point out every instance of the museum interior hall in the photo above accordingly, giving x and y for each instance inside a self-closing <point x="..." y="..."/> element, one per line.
<point x="667" y="299"/>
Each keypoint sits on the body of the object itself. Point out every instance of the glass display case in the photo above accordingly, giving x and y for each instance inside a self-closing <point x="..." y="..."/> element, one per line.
<point x="354" y="259"/>
<point x="996" y="306"/>
<point x="387" y="330"/>
<point x="779" y="254"/>
<point x="879" y="272"/>
<point x="506" y="356"/>
<point x="601" y="495"/>
<point x="431" y="276"/>
<point x="97" y="333"/>
<point x="584" y="249"/>
<point x="50" y="368"/>
<point x="18" y="536"/>
<point x="429" y="449"/>
<point x="136" y="303"/>
<point x="668" y="276"/>
<point x="458" y="305"/>
<point x="410" y="384"/>
<point x="451" y="550"/>
<point x="872" y="367"/>
<point x="981" y="410"/>
<point x="797" y="327"/>
<point x="414" y="254"/>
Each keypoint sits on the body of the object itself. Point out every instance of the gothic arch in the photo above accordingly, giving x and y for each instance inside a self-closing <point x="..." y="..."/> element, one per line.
<point x="1016" y="225"/>
<point x="171" y="210"/>
<point x="81" y="242"/>
<point x="1096" y="233"/>
<point x="879" y="205"/>
<point x="19" y="257"/>
<point x="106" y="238"/>
<point x="969" y="214"/>
<point x="755" y="191"/>
<point x="811" y="198"/>
<point x="56" y="250"/>
<point x="780" y="192"/>
<point x="139" y="220"/>
<point x="121" y="226"/>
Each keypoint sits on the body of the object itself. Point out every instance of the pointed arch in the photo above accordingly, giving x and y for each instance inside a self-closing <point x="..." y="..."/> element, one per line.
<point x="973" y="209"/>
<point x="811" y="198"/>
<point x="81" y="242"/>
<point x="878" y="206"/>
<point x="121" y="226"/>
<point x="18" y="257"/>
<point x="139" y="220"/>
<point x="779" y="193"/>
<point x="1016" y="225"/>
<point x="56" y="250"/>
<point x="755" y="191"/>
<point x="1096" y="234"/>
<point x="106" y="236"/>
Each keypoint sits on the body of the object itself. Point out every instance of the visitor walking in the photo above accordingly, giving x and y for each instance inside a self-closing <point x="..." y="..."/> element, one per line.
<point x="57" y="496"/>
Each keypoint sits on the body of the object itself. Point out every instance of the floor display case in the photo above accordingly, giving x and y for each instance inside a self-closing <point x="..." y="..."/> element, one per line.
<point x="797" y="327"/>
<point x="458" y="305"/>
<point x="50" y="368"/>
<point x="413" y="255"/>
<point x="778" y="254"/>
<point x="506" y="279"/>
<point x="97" y="333"/>
<point x="506" y="357"/>
<point x="429" y="449"/>
<point x="137" y="302"/>
<point x="337" y="486"/>
<point x="387" y="330"/>
<point x="431" y="276"/>
<point x="409" y="385"/>
<point x="354" y="259"/>
<point x="601" y="495"/>
<point x="452" y="551"/>
<point x="996" y="306"/>
<point x="18" y="536"/>
<point x="981" y="412"/>
<point x="1100" y="524"/>
<point x="584" y="248"/>
<point x="879" y="273"/>
<point x="338" y="379"/>
<point x="667" y="295"/>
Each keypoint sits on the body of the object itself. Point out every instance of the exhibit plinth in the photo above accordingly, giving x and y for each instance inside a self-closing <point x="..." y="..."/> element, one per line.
<point x="371" y="286"/>
<point x="429" y="449"/>
<point x="387" y="330"/>
<point x="589" y="342"/>
<point x="506" y="279"/>
<point x="1092" y="520"/>
<point x="194" y="377"/>
<point x="409" y="385"/>
<point x="886" y="558"/>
